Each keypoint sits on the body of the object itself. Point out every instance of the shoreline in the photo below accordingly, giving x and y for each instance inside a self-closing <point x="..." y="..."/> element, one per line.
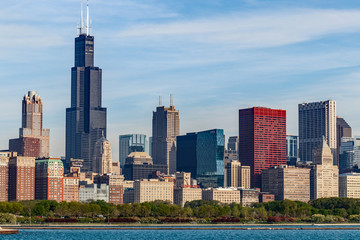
<point x="13" y="229"/>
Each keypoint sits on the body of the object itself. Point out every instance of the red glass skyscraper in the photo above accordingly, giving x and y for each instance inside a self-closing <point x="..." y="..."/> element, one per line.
<point x="262" y="140"/>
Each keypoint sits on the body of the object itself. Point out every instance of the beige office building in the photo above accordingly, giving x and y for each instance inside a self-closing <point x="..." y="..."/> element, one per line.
<point x="349" y="185"/>
<point x="223" y="195"/>
<point x="4" y="176"/>
<point x="237" y="175"/>
<point x="183" y="195"/>
<point x="182" y="179"/>
<point x="248" y="197"/>
<point x="287" y="182"/>
<point x="149" y="190"/>
<point x="165" y="129"/>
<point x="324" y="176"/>
<point x="102" y="163"/>
<point x="71" y="189"/>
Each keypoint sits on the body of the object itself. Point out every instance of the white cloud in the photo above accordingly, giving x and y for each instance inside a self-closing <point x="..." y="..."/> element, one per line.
<point x="251" y="31"/>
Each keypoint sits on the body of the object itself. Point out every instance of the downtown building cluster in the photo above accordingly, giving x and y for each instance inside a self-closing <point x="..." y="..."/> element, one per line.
<point x="262" y="163"/>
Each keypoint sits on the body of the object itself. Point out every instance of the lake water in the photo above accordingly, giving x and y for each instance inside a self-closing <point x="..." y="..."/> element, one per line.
<point x="183" y="234"/>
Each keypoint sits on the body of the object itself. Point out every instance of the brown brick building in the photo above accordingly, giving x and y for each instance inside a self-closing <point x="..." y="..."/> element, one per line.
<point x="26" y="146"/>
<point x="49" y="174"/>
<point x="71" y="189"/>
<point x="21" y="178"/>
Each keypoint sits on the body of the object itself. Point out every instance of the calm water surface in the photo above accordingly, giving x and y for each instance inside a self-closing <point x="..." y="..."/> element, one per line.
<point x="183" y="234"/>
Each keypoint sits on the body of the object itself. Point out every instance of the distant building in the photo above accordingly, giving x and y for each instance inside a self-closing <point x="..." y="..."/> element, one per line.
<point x="248" y="197"/>
<point x="291" y="150"/>
<point x="349" y="185"/>
<point x="21" y="178"/>
<point x="182" y="179"/>
<point x="102" y="163"/>
<point x="324" y="176"/>
<point x="343" y="129"/>
<point x="231" y="153"/>
<point x="33" y="141"/>
<point x="346" y="154"/>
<point x="223" y="195"/>
<point x="184" y="195"/>
<point x="262" y="140"/>
<point x="71" y="189"/>
<point x="139" y="165"/>
<point x="287" y="182"/>
<point x="153" y="189"/>
<point x="233" y="143"/>
<point x="49" y="173"/>
<point x="266" y="197"/>
<point x="130" y="143"/>
<point x="316" y="120"/>
<point x="116" y="168"/>
<point x="94" y="192"/>
<point x="202" y="154"/>
<point x="4" y="176"/>
<point x="165" y="129"/>
<point x="237" y="175"/>
<point x="116" y="187"/>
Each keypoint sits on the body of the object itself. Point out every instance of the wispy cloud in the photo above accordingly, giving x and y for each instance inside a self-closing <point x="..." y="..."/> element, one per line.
<point x="251" y="31"/>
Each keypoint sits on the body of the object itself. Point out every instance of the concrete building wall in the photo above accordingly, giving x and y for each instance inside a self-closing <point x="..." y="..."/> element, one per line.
<point x="153" y="189"/>
<point x="349" y="185"/>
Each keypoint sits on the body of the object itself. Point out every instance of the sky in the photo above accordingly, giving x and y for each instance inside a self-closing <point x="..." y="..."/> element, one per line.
<point x="214" y="56"/>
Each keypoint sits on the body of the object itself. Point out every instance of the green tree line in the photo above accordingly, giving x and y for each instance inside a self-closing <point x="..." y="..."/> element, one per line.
<point x="320" y="210"/>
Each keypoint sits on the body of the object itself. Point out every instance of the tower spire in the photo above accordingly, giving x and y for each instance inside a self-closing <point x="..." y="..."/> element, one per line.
<point x="81" y="20"/>
<point x="171" y="100"/>
<point x="87" y="17"/>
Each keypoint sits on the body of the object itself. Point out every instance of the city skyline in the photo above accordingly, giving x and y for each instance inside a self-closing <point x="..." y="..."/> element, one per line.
<point x="148" y="48"/>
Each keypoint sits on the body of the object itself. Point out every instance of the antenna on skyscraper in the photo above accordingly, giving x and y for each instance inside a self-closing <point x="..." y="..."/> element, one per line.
<point x="87" y="17"/>
<point x="160" y="101"/>
<point x="171" y="100"/>
<point x="81" y="20"/>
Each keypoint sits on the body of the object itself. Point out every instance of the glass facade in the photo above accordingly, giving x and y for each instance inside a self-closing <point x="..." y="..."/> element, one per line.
<point x="131" y="143"/>
<point x="202" y="154"/>
<point x="291" y="149"/>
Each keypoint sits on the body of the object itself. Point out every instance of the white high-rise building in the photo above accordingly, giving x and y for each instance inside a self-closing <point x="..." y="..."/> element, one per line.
<point x="317" y="120"/>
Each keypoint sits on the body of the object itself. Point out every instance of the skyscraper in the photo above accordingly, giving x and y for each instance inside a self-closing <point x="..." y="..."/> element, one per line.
<point x="33" y="140"/>
<point x="316" y="120"/>
<point x="324" y="175"/>
<point x="130" y="143"/>
<point x="237" y="175"/>
<point x="202" y="154"/>
<point x="262" y="140"/>
<point x="343" y="129"/>
<point x="291" y="149"/>
<point x="165" y="129"/>
<point x="102" y="163"/>
<point x="86" y="118"/>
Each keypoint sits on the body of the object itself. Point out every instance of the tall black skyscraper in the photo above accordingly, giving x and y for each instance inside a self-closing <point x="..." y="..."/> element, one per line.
<point x="86" y="118"/>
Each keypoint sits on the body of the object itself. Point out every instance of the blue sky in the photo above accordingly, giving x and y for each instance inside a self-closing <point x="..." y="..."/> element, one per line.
<point x="215" y="56"/>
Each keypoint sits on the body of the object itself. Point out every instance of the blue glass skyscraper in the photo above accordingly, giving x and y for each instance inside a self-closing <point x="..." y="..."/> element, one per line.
<point x="131" y="143"/>
<point x="291" y="150"/>
<point x="202" y="154"/>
